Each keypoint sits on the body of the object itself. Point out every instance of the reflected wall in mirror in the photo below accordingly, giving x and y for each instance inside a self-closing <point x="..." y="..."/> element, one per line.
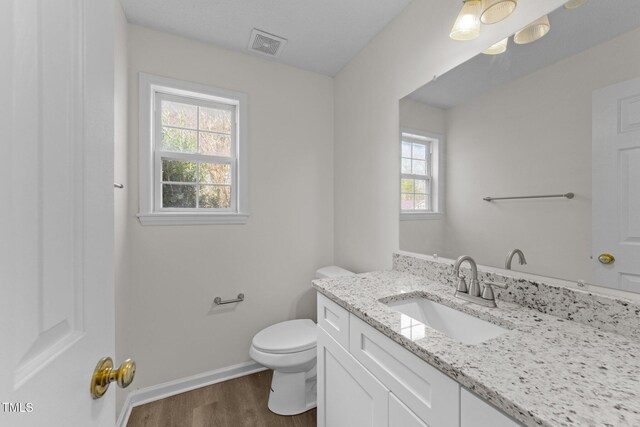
<point x="521" y="124"/>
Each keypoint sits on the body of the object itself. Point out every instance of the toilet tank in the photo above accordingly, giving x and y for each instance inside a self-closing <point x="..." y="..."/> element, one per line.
<point x="332" y="271"/>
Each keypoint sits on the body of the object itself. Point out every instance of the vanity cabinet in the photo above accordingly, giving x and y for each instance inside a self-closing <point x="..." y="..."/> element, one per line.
<point x="400" y="415"/>
<point x="348" y="395"/>
<point x="476" y="412"/>
<point x="367" y="379"/>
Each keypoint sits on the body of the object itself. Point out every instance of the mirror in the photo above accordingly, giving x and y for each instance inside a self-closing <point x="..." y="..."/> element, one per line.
<point x="519" y="124"/>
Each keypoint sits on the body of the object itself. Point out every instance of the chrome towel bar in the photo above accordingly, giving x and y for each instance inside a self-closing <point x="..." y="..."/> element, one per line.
<point x="220" y="301"/>
<point x="544" y="196"/>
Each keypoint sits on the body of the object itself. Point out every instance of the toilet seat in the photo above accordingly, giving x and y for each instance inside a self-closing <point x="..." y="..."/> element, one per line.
<point x="291" y="336"/>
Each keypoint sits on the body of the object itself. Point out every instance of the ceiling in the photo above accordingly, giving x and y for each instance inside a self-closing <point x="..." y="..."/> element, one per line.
<point x="572" y="31"/>
<point x="322" y="36"/>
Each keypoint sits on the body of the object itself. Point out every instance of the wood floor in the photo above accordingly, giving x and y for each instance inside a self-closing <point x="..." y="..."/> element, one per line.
<point x="241" y="402"/>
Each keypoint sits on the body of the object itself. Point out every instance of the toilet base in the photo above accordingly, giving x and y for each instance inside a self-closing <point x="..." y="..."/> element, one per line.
<point x="292" y="393"/>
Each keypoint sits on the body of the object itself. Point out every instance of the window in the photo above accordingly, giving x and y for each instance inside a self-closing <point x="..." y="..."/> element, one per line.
<point x="192" y="154"/>
<point x="421" y="185"/>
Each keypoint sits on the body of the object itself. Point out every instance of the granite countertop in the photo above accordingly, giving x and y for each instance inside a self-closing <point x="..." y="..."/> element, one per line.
<point x="545" y="371"/>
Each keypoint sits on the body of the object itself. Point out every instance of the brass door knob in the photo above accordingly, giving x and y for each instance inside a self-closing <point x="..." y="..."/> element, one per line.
<point x="606" y="258"/>
<point x="104" y="374"/>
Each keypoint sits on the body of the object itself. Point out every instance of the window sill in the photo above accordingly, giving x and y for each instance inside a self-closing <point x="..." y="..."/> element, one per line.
<point x="192" y="218"/>
<point x="419" y="216"/>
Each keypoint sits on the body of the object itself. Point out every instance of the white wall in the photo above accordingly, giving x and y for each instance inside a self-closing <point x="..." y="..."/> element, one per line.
<point x="405" y="55"/>
<point x="175" y="272"/>
<point x="121" y="201"/>
<point x="531" y="136"/>
<point x="423" y="236"/>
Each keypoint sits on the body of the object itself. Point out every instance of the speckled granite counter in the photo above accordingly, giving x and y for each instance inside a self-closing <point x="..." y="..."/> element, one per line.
<point x="545" y="371"/>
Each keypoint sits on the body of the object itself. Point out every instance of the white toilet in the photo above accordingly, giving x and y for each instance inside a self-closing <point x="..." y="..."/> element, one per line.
<point x="289" y="348"/>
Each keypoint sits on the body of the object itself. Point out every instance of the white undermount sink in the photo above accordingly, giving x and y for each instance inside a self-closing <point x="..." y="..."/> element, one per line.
<point x="453" y="323"/>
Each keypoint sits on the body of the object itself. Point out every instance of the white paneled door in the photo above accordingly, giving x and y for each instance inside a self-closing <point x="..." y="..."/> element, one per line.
<point x="56" y="210"/>
<point x="616" y="186"/>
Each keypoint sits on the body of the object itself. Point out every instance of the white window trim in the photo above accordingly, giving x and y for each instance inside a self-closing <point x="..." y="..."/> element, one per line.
<point x="437" y="176"/>
<point x="148" y="214"/>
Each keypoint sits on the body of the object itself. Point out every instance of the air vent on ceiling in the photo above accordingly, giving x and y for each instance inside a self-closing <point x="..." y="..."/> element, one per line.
<point x="265" y="43"/>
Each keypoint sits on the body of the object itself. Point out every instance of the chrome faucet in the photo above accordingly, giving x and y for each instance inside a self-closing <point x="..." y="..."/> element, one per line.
<point x="473" y="293"/>
<point x="510" y="255"/>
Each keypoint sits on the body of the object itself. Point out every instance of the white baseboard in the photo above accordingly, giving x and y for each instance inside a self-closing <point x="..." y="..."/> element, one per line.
<point x="171" y="388"/>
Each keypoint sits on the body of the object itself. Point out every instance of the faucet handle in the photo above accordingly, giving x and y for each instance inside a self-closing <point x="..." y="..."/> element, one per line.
<point x="487" y="292"/>
<point x="462" y="285"/>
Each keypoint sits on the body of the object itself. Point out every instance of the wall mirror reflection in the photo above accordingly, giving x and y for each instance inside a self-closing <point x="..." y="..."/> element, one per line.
<point x="558" y="115"/>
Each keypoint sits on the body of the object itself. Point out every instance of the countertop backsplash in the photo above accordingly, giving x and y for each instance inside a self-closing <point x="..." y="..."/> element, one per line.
<point x="547" y="296"/>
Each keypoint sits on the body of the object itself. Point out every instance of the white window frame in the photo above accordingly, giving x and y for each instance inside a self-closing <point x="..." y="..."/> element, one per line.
<point x="436" y="167"/>
<point x="151" y="91"/>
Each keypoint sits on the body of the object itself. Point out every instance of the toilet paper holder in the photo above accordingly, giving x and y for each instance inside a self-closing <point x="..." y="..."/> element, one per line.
<point x="220" y="301"/>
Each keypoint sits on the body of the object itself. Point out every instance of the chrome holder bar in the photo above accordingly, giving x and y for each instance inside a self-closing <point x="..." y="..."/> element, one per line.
<point x="220" y="301"/>
<point x="544" y="196"/>
<point x="116" y="185"/>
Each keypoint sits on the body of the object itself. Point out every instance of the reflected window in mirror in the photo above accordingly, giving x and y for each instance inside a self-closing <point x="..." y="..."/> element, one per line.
<point x="420" y="171"/>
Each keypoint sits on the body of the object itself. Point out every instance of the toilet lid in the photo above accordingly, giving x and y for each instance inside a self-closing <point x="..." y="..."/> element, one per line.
<point x="287" y="337"/>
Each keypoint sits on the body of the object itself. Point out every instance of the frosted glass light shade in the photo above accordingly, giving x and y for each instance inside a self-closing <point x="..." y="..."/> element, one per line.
<point x="467" y="25"/>
<point x="496" y="10"/>
<point x="572" y="4"/>
<point x="498" y="48"/>
<point x="534" y="31"/>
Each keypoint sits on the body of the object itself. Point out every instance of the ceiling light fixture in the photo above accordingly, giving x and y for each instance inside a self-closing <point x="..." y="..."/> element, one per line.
<point x="498" y="48"/>
<point x="496" y="10"/>
<point x="572" y="4"/>
<point x="532" y="32"/>
<point x="467" y="25"/>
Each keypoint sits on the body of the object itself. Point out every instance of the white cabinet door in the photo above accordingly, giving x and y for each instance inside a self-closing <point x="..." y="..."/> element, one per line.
<point x="348" y="395"/>
<point x="401" y="416"/>
<point x="475" y="412"/>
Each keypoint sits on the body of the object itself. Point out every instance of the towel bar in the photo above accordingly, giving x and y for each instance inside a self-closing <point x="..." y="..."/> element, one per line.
<point x="566" y="195"/>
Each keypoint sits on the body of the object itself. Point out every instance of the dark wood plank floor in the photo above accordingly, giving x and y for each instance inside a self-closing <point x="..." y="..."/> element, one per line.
<point x="241" y="402"/>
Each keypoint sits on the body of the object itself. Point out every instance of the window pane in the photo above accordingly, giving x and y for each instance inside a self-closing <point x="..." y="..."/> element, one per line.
<point x="178" y="196"/>
<point x="419" y="151"/>
<point x="179" y="140"/>
<point x="216" y="144"/>
<point x="215" y="120"/>
<point x="215" y="197"/>
<point x="406" y="202"/>
<point x="406" y="165"/>
<point x="421" y="186"/>
<point x="406" y="149"/>
<point x="421" y="202"/>
<point x="177" y="114"/>
<point x="407" y="186"/>
<point x="215" y="173"/>
<point x="177" y="171"/>
<point x="419" y="167"/>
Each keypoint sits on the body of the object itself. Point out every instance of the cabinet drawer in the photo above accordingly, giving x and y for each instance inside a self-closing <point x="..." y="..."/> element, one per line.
<point x="427" y="392"/>
<point x="334" y="320"/>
